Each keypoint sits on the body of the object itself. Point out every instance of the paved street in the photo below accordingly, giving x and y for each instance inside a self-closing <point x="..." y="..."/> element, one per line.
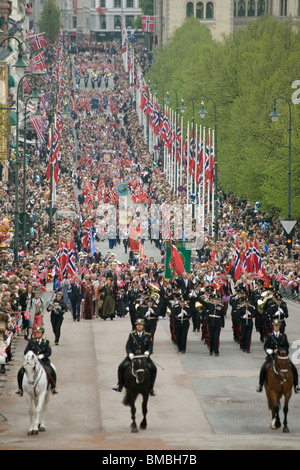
<point x="202" y="402"/>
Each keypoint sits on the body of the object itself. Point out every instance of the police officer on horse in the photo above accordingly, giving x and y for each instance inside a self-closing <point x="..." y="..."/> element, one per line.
<point x="41" y="348"/>
<point x="139" y="342"/>
<point x="275" y="341"/>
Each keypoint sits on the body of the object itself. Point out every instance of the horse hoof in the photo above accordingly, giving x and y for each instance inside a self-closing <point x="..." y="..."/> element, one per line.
<point x="286" y="429"/>
<point x="143" y="425"/>
<point x="134" y="429"/>
<point x="35" y="432"/>
<point x="42" y="429"/>
<point x="29" y="433"/>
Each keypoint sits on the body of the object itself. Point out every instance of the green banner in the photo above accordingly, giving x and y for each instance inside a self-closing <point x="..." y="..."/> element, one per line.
<point x="185" y="250"/>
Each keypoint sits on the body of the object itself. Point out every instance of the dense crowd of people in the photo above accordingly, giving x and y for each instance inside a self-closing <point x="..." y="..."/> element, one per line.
<point x="102" y="145"/>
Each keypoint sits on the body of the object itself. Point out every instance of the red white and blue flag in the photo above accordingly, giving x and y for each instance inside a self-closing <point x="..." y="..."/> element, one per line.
<point x="147" y="24"/>
<point x="37" y="41"/>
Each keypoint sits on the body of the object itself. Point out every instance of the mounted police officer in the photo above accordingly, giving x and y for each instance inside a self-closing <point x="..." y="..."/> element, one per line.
<point x="139" y="342"/>
<point x="274" y="341"/>
<point x="41" y="348"/>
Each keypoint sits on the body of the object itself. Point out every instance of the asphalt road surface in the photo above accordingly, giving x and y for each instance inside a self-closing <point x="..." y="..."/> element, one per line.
<point x="201" y="402"/>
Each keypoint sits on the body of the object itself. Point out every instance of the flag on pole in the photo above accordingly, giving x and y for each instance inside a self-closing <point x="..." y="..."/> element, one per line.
<point x="237" y="263"/>
<point x="177" y="260"/>
<point x="147" y="24"/>
<point x="71" y="264"/>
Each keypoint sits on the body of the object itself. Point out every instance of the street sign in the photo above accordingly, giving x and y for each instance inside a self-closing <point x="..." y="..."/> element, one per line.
<point x="288" y="225"/>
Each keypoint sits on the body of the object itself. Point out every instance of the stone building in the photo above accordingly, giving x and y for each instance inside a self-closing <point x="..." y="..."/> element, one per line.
<point x="220" y="16"/>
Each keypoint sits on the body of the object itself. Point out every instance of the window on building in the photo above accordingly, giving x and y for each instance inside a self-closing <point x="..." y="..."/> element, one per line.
<point x="102" y="3"/>
<point x="189" y="9"/>
<point x="199" y="10"/>
<point x="74" y="21"/>
<point x="102" y="22"/>
<point x="129" y="4"/>
<point x="129" y="21"/>
<point x="241" y="8"/>
<point x="261" y="7"/>
<point x="251" y="8"/>
<point x="209" y="10"/>
<point x="117" y="3"/>
<point x="117" y="22"/>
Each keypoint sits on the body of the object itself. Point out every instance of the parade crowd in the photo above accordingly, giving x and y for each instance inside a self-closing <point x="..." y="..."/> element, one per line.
<point x="102" y="145"/>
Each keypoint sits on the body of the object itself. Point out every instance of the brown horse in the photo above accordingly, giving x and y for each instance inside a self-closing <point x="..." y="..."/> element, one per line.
<point x="137" y="381"/>
<point x="279" y="382"/>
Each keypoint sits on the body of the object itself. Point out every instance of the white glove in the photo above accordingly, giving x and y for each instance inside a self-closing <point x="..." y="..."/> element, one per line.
<point x="269" y="351"/>
<point x="146" y="353"/>
<point x="127" y="308"/>
<point x="41" y="356"/>
<point x="131" y="356"/>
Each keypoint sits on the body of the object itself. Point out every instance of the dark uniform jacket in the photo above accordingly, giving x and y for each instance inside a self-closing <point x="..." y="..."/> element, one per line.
<point x="276" y="343"/>
<point x="274" y="308"/>
<point x="214" y="313"/>
<point x="139" y="344"/>
<point x="177" y="310"/>
<point x="40" y="347"/>
<point x="241" y="311"/>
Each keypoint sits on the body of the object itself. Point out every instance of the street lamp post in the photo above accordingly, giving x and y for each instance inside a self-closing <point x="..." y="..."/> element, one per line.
<point x="202" y="114"/>
<point x="274" y="117"/>
<point x="20" y="65"/>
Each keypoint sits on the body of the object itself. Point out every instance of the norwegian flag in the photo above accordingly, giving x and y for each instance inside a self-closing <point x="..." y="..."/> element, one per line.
<point x="38" y="127"/>
<point x="37" y="41"/>
<point x="147" y="24"/>
<point x="144" y="98"/>
<point x="38" y="62"/>
<point x="248" y="258"/>
<point x="71" y="264"/>
<point x="192" y="155"/>
<point x="65" y="258"/>
<point x="237" y="263"/>
<point x="179" y="143"/>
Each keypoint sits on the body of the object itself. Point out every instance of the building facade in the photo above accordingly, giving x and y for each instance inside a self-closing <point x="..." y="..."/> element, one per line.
<point x="220" y="16"/>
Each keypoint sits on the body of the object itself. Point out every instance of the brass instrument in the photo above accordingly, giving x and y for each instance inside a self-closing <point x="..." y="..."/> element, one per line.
<point x="198" y="306"/>
<point x="169" y="311"/>
<point x="155" y="292"/>
<point x="261" y="302"/>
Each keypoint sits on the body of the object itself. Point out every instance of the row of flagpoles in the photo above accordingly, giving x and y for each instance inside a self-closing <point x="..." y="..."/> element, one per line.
<point x="188" y="151"/>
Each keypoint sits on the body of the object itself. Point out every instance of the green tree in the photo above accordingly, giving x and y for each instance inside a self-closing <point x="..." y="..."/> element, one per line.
<point x="244" y="73"/>
<point x="50" y="20"/>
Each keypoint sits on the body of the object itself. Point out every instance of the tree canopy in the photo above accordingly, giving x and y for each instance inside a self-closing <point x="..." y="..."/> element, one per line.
<point x="50" y="20"/>
<point x="243" y="74"/>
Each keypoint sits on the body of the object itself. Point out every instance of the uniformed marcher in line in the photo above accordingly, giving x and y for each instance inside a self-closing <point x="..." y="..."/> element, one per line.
<point x="234" y="303"/>
<point x="139" y="342"/>
<point x="257" y="294"/>
<point x="181" y="316"/>
<point x="193" y="298"/>
<point x="277" y="310"/>
<point x="41" y="348"/>
<point x="133" y="295"/>
<point x="149" y="312"/>
<point x="274" y="341"/>
<point x="216" y="320"/>
<point x="246" y="313"/>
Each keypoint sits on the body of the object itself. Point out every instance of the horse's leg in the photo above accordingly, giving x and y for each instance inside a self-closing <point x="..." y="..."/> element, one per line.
<point x="31" y="412"/>
<point x="143" y="424"/>
<point x="39" y="412"/>
<point x="42" y="424"/>
<point x="285" y="411"/>
<point x="133" y="411"/>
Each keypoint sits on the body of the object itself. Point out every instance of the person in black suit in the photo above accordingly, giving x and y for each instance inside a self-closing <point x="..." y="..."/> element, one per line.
<point x="186" y="286"/>
<point x="76" y="296"/>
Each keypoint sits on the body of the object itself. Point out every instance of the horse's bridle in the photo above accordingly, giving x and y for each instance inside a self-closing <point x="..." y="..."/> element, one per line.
<point x="36" y="378"/>
<point x="133" y="371"/>
<point x="280" y="371"/>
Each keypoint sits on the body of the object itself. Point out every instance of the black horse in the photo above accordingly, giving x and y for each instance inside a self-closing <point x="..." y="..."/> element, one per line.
<point x="137" y="380"/>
